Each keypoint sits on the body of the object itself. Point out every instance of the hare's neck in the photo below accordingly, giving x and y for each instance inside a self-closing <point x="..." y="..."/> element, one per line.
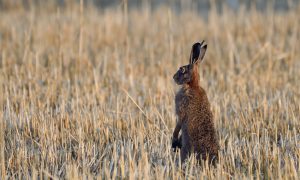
<point x="194" y="83"/>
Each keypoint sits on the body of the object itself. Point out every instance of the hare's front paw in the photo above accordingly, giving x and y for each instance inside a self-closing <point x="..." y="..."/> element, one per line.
<point x="176" y="143"/>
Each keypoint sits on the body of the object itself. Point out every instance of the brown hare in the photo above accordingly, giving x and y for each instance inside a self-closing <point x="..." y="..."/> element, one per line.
<point x="195" y="118"/>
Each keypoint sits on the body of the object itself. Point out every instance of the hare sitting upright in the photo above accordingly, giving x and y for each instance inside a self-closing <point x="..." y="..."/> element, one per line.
<point x="195" y="118"/>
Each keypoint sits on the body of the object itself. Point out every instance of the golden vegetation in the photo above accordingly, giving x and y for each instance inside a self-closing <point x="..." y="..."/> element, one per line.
<point x="90" y="92"/>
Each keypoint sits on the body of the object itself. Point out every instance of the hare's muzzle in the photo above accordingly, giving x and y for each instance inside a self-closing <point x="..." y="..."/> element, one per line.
<point x="175" y="77"/>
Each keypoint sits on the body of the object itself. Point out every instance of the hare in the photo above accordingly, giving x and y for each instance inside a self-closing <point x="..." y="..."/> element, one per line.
<point x="195" y="118"/>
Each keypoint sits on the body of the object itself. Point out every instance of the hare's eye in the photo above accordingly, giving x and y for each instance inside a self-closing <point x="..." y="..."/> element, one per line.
<point x="182" y="69"/>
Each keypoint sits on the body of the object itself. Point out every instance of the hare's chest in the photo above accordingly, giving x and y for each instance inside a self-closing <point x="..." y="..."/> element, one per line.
<point x="181" y="103"/>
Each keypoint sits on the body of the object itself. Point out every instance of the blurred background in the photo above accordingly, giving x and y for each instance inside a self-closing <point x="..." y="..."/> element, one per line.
<point x="202" y="6"/>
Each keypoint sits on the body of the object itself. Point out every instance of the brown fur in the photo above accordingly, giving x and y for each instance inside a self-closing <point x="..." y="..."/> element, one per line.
<point x="195" y="120"/>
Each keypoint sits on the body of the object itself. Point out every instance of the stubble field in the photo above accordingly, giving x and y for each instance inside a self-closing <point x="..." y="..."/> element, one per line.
<point x="89" y="93"/>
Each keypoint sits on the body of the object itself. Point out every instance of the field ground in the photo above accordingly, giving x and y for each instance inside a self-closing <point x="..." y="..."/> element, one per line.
<point x="89" y="93"/>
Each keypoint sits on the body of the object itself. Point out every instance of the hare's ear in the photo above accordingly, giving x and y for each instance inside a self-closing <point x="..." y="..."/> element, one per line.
<point x="198" y="52"/>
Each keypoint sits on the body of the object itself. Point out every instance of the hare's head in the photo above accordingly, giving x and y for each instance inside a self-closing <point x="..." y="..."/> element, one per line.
<point x="188" y="73"/>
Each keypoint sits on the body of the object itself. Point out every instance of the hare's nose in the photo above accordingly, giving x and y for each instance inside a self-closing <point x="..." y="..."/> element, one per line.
<point x="174" y="77"/>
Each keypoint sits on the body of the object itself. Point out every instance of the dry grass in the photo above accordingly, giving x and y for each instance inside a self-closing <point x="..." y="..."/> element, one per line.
<point x="91" y="94"/>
